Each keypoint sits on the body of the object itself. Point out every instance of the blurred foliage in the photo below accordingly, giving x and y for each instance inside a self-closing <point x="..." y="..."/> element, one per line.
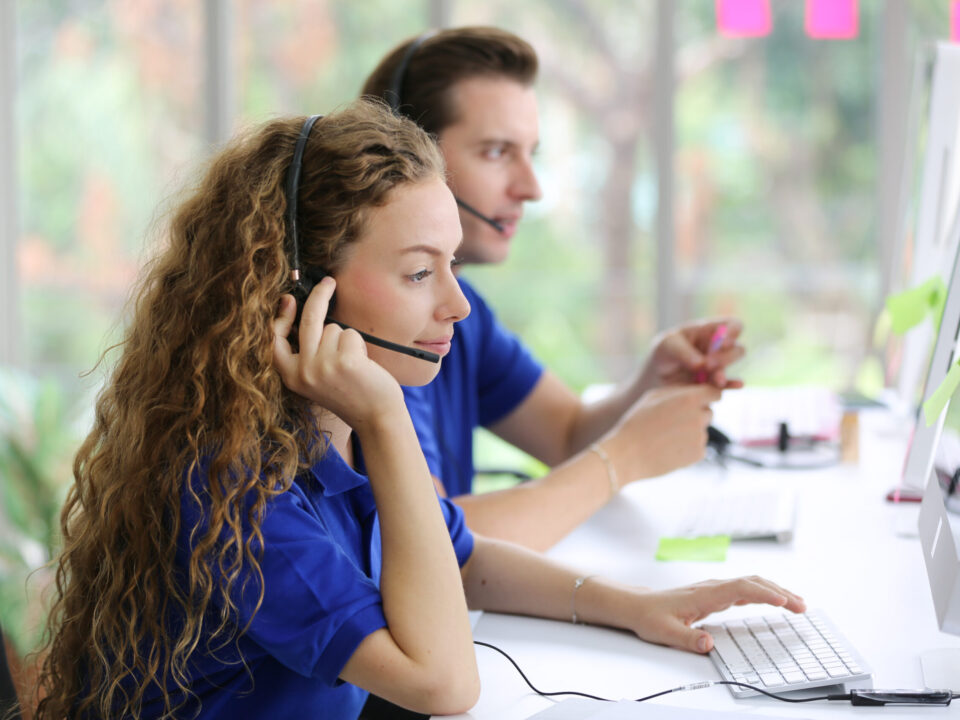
<point x="38" y="437"/>
<point x="340" y="42"/>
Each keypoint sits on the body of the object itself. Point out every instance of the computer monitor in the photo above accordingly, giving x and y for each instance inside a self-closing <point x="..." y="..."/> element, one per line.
<point x="939" y="533"/>
<point x="935" y="200"/>
<point x="922" y="447"/>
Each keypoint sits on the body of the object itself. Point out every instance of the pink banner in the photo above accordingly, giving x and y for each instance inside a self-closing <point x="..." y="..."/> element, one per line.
<point x="955" y="20"/>
<point x="832" y="19"/>
<point x="744" y="18"/>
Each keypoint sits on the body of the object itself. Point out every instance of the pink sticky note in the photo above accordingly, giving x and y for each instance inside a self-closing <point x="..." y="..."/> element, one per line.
<point x="744" y="18"/>
<point x="955" y="20"/>
<point x="832" y="19"/>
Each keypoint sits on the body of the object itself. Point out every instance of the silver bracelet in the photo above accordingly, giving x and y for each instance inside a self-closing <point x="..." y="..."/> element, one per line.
<point x="611" y="471"/>
<point x="573" y="598"/>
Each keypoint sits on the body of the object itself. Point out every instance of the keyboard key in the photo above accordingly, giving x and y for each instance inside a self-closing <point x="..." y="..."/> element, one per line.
<point x="771" y="679"/>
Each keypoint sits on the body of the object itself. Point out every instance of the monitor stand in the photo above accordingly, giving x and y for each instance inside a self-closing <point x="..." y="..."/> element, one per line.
<point x="941" y="668"/>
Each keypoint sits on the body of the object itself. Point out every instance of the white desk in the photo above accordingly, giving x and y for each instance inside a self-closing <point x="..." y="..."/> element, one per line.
<point x="847" y="559"/>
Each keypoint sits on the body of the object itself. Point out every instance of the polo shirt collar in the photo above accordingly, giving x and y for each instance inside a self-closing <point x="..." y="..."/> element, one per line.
<point x="333" y="473"/>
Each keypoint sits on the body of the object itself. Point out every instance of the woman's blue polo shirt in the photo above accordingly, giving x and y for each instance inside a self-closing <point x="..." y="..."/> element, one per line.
<point x="321" y="577"/>
<point x="487" y="374"/>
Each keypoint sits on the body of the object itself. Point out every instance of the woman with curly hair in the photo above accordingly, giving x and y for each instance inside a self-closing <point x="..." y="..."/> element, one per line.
<point x="253" y="530"/>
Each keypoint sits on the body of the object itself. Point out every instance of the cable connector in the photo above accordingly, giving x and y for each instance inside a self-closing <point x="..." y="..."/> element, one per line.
<point x="694" y="686"/>
<point x="874" y="696"/>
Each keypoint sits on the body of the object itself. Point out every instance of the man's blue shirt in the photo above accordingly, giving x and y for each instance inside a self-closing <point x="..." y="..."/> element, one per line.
<point x="486" y="375"/>
<point x="321" y="578"/>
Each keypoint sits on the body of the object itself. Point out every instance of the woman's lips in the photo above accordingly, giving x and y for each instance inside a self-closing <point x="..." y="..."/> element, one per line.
<point x="509" y="229"/>
<point x="440" y="346"/>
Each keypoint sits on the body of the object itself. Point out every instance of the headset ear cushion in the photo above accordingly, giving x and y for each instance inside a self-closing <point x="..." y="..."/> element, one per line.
<point x="301" y="291"/>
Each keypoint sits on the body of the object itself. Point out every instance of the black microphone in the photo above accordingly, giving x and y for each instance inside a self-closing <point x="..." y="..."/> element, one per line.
<point x="473" y="211"/>
<point x="395" y="347"/>
<point x="300" y="292"/>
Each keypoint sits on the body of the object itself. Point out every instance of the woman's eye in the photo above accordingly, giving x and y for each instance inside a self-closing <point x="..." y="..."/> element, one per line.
<point x="495" y="152"/>
<point x="420" y="276"/>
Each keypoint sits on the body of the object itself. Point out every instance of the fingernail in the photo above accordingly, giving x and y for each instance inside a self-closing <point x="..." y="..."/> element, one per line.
<point x="702" y="643"/>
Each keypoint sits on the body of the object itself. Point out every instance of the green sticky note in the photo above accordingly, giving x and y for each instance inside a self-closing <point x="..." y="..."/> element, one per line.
<point x="910" y="307"/>
<point x="938" y="398"/>
<point x="711" y="548"/>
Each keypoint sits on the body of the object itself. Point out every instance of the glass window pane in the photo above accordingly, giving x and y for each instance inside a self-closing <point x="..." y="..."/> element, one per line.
<point x="578" y="285"/>
<point x="777" y="173"/>
<point x="108" y="112"/>
<point x="310" y="56"/>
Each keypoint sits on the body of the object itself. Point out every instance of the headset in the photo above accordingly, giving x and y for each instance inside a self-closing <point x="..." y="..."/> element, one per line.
<point x="393" y="96"/>
<point x="304" y="282"/>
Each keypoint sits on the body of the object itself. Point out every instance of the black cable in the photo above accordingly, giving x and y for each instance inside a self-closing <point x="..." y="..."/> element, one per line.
<point x="840" y="696"/>
<point x="527" y="681"/>
<point x="692" y="686"/>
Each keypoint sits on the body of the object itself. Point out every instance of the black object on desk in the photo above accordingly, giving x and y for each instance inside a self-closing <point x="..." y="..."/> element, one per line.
<point x="717" y="439"/>
<point x="789" y="452"/>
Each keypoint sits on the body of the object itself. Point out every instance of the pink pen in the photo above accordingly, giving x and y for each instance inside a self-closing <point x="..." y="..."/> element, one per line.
<point x="716" y="341"/>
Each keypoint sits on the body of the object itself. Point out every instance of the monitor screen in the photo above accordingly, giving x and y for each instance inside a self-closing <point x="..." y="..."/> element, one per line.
<point x="930" y="204"/>
<point x="923" y="441"/>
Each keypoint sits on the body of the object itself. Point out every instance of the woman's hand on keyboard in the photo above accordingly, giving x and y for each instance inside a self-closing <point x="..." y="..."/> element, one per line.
<point x="665" y="617"/>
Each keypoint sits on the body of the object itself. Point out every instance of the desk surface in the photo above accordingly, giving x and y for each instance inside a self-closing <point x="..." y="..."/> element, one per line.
<point x="850" y="557"/>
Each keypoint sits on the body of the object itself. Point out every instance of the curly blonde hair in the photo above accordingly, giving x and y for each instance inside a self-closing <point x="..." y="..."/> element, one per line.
<point x="194" y="394"/>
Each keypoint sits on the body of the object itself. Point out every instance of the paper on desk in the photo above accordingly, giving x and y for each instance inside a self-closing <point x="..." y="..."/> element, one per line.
<point x="583" y="709"/>
<point x="711" y="548"/>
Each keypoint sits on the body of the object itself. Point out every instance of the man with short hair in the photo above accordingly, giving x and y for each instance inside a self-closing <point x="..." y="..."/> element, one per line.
<point x="472" y="88"/>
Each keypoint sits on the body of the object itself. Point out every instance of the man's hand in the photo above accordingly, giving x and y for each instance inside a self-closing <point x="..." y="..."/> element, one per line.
<point x="666" y="429"/>
<point x="681" y="353"/>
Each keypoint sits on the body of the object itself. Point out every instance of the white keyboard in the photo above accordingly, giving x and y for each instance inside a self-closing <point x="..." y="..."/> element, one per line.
<point x="743" y="514"/>
<point x="785" y="652"/>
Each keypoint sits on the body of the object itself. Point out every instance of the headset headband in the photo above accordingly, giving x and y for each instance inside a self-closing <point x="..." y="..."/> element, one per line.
<point x="292" y="190"/>
<point x="394" y="93"/>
